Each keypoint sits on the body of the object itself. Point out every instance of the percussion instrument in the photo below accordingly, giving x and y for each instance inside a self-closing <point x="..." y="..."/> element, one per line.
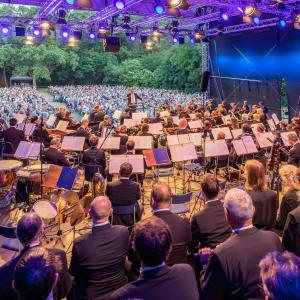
<point x="45" y="209"/>
<point x="7" y="179"/>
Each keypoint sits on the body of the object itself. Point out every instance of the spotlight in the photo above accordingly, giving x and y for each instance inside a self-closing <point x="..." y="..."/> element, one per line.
<point x="225" y="16"/>
<point x="198" y="35"/>
<point x="84" y="3"/>
<point x="282" y="23"/>
<point x="156" y="32"/>
<point x="65" y="33"/>
<point x="149" y="45"/>
<point x="92" y="35"/>
<point x="132" y="37"/>
<point x="159" y="8"/>
<point x="175" y="39"/>
<point x="174" y="3"/>
<point x="36" y="32"/>
<point x="5" y="29"/>
<point x="297" y="21"/>
<point x="256" y="20"/>
<point x="251" y="11"/>
<point x="70" y="2"/>
<point x="29" y="40"/>
<point x="192" y="41"/>
<point x="119" y="4"/>
<point x="72" y="41"/>
<point x="61" y="15"/>
<point x="45" y="24"/>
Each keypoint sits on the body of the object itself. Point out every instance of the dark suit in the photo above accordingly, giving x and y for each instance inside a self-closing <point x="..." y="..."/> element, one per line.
<point x="41" y="135"/>
<point x="83" y="133"/>
<point x="121" y="193"/>
<point x="176" y="283"/>
<point x="136" y="96"/>
<point x="294" y="155"/>
<point x="94" y="156"/>
<point x="181" y="236"/>
<point x="6" y="274"/>
<point x="55" y="157"/>
<point x="291" y="232"/>
<point x="98" y="260"/>
<point x="13" y="136"/>
<point x="232" y="271"/>
<point x="266" y="206"/>
<point x="209" y="227"/>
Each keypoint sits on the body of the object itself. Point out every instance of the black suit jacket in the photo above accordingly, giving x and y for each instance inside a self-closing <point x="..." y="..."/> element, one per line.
<point x="181" y="236"/>
<point x="13" y="136"/>
<point x="94" y="156"/>
<point x="137" y="97"/>
<point x="54" y="156"/>
<point x="232" y="271"/>
<point x="209" y="227"/>
<point x="6" y="274"/>
<point x="41" y="135"/>
<point x="291" y="232"/>
<point x="294" y="155"/>
<point x="266" y="206"/>
<point x="120" y="193"/>
<point x="176" y="283"/>
<point x="98" y="260"/>
<point x="83" y="133"/>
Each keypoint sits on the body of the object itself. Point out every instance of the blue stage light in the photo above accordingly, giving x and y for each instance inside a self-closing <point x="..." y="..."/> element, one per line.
<point x="70" y="2"/>
<point x="119" y="4"/>
<point x="159" y="9"/>
<point x="225" y="17"/>
<point x="282" y="23"/>
<point x="256" y="20"/>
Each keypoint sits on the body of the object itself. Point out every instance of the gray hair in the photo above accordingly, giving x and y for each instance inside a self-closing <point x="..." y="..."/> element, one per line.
<point x="239" y="204"/>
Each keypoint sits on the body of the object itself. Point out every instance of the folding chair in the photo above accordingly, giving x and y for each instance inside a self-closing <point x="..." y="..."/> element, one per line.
<point x="11" y="242"/>
<point x="125" y="210"/>
<point x="181" y="203"/>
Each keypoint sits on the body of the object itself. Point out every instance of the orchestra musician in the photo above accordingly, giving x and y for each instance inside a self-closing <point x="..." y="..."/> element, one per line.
<point x="294" y="153"/>
<point x="41" y="135"/>
<point x="53" y="155"/>
<point x="84" y="131"/>
<point x="97" y="114"/>
<point x="13" y="135"/>
<point x="61" y="114"/>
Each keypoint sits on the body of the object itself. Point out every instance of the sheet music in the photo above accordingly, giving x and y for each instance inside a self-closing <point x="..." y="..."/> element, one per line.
<point x="262" y="139"/>
<point x="195" y="124"/>
<point x="254" y="127"/>
<point x="117" y="114"/>
<point x="284" y="137"/>
<point x="139" y="115"/>
<point x="196" y="138"/>
<point x="111" y="143"/>
<point x="216" y="148"/>
<point x="85" y="117"/>
<point x="275" y="119"/>
<point x="172" y="140"/>
<point x="131" y="122"/>
<point x="62" y="125"/>
<point x="137" y="162"/>
<point x="184" y="152"/>
<point x="184" y="139"/>
<point x="239" y="147"/>
<point x="271" y="124"/>
<point x="236" y="133"/>
<point x="142" y="142"/>
<point x="155" y="128"/>
<point x="20" y="118"/>
<point x="50" y="122"/>
<point x="226" y="131"/>
<point x="175" y="120"/>
<point x="192" y="116"/>
<point x="164" y="113"/>
<point x="73" y="143"/>
<point x="249" y="144"/>
<point x="28" y="150"/>
<point x="29" y="128"/>
<point x="226" y="119"/>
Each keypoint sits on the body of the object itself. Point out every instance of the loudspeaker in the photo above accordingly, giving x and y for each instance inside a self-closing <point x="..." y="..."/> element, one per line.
<point x="204" y="81"/>
<point x="144" y="39"/>
<point x="20" y="31"/>
<point x="111" y="44"/>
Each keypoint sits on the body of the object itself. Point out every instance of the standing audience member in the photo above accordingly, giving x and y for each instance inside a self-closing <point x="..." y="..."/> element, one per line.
<point x="30" y="232"/>
<point x="231" y="271"/>
<point x="98" y="258"/>
<point x="152" y="240"/>
<point x="209" y="226"/>
<point x="280" y="275"/>
<point x="264" y="200"/>
<point x="160" y="201"/>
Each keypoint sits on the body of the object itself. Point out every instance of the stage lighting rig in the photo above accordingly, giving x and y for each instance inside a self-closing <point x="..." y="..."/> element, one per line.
<point x="119" y="4"/>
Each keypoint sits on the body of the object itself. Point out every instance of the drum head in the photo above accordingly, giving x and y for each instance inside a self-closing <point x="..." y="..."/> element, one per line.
<point x="7" y="165"/>
<point x="45" y="209"/>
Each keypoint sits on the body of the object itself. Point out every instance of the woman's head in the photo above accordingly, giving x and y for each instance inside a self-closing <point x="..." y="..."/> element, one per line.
<point x="290" y="177"/>
<point x="255" y="175"/>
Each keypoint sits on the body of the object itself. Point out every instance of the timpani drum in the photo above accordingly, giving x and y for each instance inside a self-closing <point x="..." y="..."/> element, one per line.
<point x="7" y="179"/>
<point x="46" y="210"/>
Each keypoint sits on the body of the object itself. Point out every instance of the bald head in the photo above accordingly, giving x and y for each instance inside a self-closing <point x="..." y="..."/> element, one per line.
<point x="161" y="196"/>
<point x="100" y="209"/>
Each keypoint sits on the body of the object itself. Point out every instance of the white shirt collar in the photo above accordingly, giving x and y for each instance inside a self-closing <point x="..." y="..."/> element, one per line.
<point x="100" y="224"/>
<point x="212" y="200"/>
<point x="147" y="268"/>
<point x="161" y="209"/>
<point x="237" y="230"/>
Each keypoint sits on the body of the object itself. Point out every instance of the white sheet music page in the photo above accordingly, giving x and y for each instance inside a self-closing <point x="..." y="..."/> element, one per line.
<point x="275" y="119"/>
<point x="184" y="139"/>
<point x="226" y="130"/>
<point x="50" y="122"/>
<point x="175" y="120"/>
<point x="263" y="139"/>
<point x="142" y="142"/>
<point x="216" y="148"/>
<point x="195" y="124"/>
<point x="137" y="162"/>
<point x="131" y="122"/>
<point x="239" y="147"/>
<point x="236" y="133"/>
<point x="73" y="143"/>
<point x="172" y="140"/>
<point x="155" y="128"/>
<point x="181" y="153"/>
<point x="271" y="124"/>
<point x="117" y="114"/>
<point x="249" y="144"/>
<point x="111" y="143"/>
<point x="62" y="125"/>
<point x="28" y="150"/>
<point x="20" y="118"/>
<point x="196" y="138"/>
<point x="226" y="119"/>
<point x="164" y="113"/>
<point x="139" y="115"/>
<point x="284" y="137"/>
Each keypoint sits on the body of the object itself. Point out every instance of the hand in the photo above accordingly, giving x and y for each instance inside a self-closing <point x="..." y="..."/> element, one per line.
<point x="204" y="255"/>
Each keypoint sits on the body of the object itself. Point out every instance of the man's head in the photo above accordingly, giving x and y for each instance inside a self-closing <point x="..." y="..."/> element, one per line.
<point x="29" y="229"/>
<point x="100" y="210"/>
<point x="239" y="207"/>
<point x="292" y="138"/>
<point x="125" y="170"/>
<point x="62" y="109"/>
<point x="55" y="143"/>
<point x="152" y="241"/>
<point x="13" y="122"/>
<point x="145" y="128"/>
<point x="161" y="196"/>
<point x="93" y="140"/>
<point x="84" y="123"/>
<point x="130" y="145"/>
<point x="210" y="186"/>
<point x="280" y="275"/>
<point x="36" y="274"/>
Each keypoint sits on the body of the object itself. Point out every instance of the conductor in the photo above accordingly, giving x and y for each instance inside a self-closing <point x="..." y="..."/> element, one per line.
<point x="132" y="98"/>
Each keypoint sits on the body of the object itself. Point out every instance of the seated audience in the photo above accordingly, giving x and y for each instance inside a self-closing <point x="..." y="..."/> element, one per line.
<point x="160" y="201"/>
<point x="264" y="200"/>
<point x="231" y="271"/>
<point x="124" y="192"/>
<point x="30" y="233"/>
<point x="36" y="274"/>
<point x="290" y="180"/>
<point x="98" y="257"/>
<point x="209" y="226"/>
<point x="13" y="135"/>
<point x="54" y="156"/>
<point x="280" y="275"/>
<point x="152" y="241"/>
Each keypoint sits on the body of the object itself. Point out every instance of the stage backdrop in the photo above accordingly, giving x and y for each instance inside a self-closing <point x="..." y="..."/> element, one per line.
<point x="268" y="60"/>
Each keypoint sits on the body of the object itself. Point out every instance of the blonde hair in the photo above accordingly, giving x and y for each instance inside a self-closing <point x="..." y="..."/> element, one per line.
<point x="256" y="117"/>
<point x="289" y="177"/>
<point x="221" y="135"/>
<point x="255" y="175"/>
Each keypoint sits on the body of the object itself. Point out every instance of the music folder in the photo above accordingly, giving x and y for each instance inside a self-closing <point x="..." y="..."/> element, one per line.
<point x="244" y="146"/>
<point x="131" y="122"/>
<point x="142" y="142"/>
<point x="181" y="153"/>
<point x="73" y="143"/>
<point x="20" y="118"/>
<point x="226" y="130"/>
<point x="137" y="162"/>
<point x="196" y="138"/>
<point x="29" y="128"/>
<point x="62" y="126"/>
<point x="271" y="124"/>
<point x="157" y="157"/>
<point x="50" y="122"/>
<point x="265" y="139"/>
<point x="28" y="150"/>
<point x="195" y="124"/>
<point x="111" y="143"/>
<point x="155" y="128"/>
<point x="216" y="148"/>
<point x="226" y="119"/>
<point x="139" y="116"/>
<point x="236" y="133"/>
